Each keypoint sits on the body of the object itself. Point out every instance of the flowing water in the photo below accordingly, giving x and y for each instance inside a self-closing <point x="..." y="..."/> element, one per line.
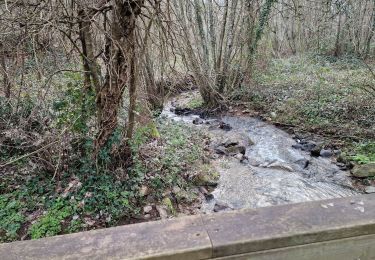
<point x="275" y="172"/>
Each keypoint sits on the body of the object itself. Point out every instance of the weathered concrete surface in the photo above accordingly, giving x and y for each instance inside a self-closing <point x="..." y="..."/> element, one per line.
<point x="290" y="225"/>
<point x="332" y="229"/>
<point x="183" y="238"/>
<point x="358" y="248"/>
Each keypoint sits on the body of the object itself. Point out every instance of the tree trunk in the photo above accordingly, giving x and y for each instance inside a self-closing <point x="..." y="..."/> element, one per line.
<point x="109" y="96"/>
<point x="6" y="80"/>
<point x="88" y="59"/>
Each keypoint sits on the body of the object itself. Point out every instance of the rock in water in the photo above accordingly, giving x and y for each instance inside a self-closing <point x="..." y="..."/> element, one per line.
<point x="221" y="150"/>
<point x="364" y="171"/>
<point x="225" y="127"/>
<point x="198" y="121"/>
<point x="370" y="189"/>
<point x="221" y="206"/>
<point x="326" y="153"/>
<point x="233" y="150"/>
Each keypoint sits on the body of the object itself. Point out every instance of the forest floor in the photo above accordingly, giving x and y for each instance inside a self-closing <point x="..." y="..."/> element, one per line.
<point x="311" y="97"/>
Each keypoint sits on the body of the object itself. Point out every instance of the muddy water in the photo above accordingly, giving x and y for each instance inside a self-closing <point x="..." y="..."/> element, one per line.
<point x="275" y="173"/>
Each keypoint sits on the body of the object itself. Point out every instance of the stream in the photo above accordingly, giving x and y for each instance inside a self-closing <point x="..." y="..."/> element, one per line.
<point x="273" y="172"/>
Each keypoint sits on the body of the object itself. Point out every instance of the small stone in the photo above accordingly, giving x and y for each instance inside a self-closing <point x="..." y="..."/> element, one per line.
<point x="147" y="209"/>
<point x="297" y="146"/>
<point x="198" y="121"/>
<point x="75" y="217"/>
<point x="230" y="142"/>
<point x="144" y="191"/>
<point x="221" y="206"/>
<point x="303" y="163"/>
<point x="370" y="189"/>
<point x="147" y="216"/>
<point x="239" y="156"/>
<point x="225" y="127"/>
<point x="342" y="166"/>
<point x="206" y="194"/>
<point x="233" y="150"/>
<point x="221" y="150"/>
<point x="273" y="114"/>
<point x="337" y="152"/>
<point x="309" y="146"/>
<point x="326" y="153"/>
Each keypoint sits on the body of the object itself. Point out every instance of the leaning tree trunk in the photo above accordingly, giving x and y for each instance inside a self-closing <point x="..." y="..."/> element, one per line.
<point x="6" y="80"/>
<point x="109" y="96"/>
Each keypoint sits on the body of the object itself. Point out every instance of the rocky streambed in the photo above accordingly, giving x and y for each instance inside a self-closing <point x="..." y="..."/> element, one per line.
<point x="261" y="165"/>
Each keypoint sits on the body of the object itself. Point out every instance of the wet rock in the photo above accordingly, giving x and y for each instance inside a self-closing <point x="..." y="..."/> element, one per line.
<point x="297" y="146"/>
<point x="326" y="153"/>
<point x="147" y="209"/>
<point x="212" y="122"/>
<point x="244" y="159"/>
<point x="315" y="151"/>
<point x="198" y="121"/>
<point x="303" y="163"/>
<point x="342" y="166"/>
<point x="337" y="152"/>
<point x="239" y="156"/>
<point x="237" y="139"/>
<point x="221" y="206"/>
<point x="182" y="111"/>
<point x="221" y="150"/>
<point x="280" y="166"/>
<point x="230" y="142"/>
<point x="206" y="194"/>
<point x="370" y="189"/>
<point x="225" y="127"/>
<point x="234" y="150"/>
<point x="309" y="146"/>
<point x="364" y="171"/>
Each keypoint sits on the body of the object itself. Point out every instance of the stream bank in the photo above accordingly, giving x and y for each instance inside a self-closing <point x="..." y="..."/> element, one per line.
<point x="261" y="165"/>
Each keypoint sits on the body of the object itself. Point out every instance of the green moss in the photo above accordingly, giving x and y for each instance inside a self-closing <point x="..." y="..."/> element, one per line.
<point x="195" y="102"/>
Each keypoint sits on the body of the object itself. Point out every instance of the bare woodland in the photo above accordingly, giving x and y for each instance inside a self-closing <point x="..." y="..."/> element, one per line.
<point x="129" y="56"/>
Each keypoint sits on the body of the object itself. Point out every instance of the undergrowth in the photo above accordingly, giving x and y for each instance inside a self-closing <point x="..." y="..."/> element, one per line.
<point x="61" y="189"/>
<point x="322" y="94"/>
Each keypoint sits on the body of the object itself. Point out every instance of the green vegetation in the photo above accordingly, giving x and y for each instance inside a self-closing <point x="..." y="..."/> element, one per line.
<point x="364" y="153"/>
<point x="315" y="93"/>
<point x="195" y="102"/>
<point x="81" y="194"/>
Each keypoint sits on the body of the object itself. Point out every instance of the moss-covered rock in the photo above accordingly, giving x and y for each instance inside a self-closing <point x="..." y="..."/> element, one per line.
<point x="364" y="171"/>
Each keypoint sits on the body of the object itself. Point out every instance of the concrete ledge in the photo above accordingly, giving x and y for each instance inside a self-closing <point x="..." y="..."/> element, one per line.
<point x="314" y="230"/>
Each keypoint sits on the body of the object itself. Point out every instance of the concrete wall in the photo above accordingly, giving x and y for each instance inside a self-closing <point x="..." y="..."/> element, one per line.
<point x="334" y="229"/>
